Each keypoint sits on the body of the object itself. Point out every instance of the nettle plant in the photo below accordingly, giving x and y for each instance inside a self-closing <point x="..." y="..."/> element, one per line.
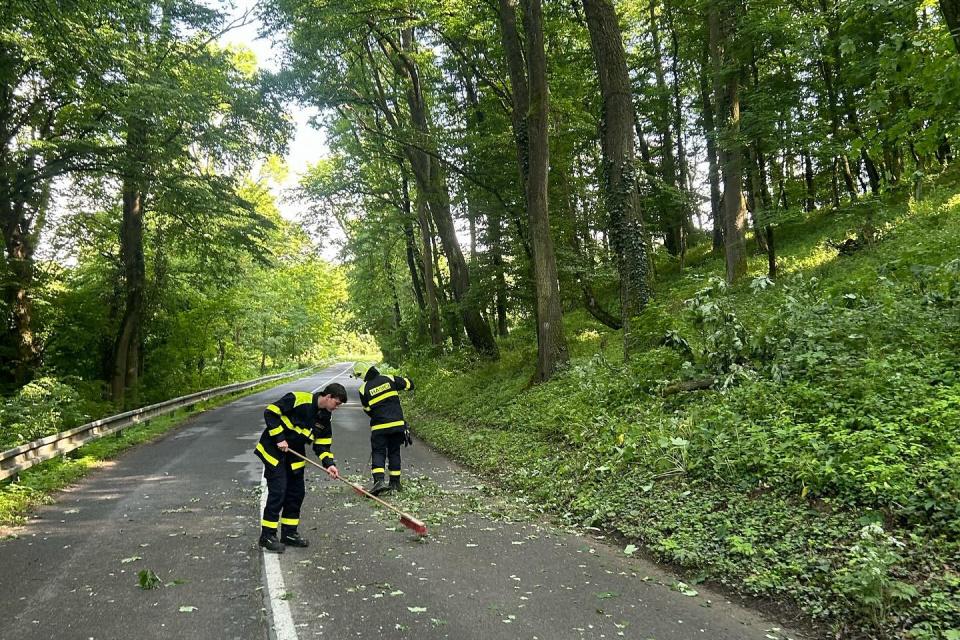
<point x="867" y="579"/>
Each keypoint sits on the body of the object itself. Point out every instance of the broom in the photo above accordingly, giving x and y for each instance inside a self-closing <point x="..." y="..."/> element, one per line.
<point x="405" y="519"/>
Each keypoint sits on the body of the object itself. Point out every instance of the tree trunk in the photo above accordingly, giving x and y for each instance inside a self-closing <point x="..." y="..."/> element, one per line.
<point x="432" y="184"/>
<point x="431" y="179"/>
<point x="619" y="163"/>
<point x="673" y="222"/>
<point x="21" y="219"/>
<point x="722" y="23"/>
<point x="710" y="132"/>
<point x="683" y="167"/>
<point x="411" y="241"/>
<point x="126" y="348"/>
<point x="495" y="238"/>
<point x="19" y="246"/>
<point x="951" y="15"/>
<point x="519" y="92"/>
<point x="833" y="108"/>
<point x="808" y="179"/>
<point x="551" y="341"/>
<point x="395" y="309"/>
<point x="767" y="199"/>
<point x="590" y="302"/>
<point x="771" y="253"/>
<point x="429" y="287"/>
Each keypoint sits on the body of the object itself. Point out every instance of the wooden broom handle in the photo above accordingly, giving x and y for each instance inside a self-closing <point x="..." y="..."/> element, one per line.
<point x="358" y="488"/>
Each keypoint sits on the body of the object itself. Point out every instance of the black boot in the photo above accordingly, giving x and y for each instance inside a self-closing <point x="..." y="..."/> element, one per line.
<point x="395" y="484"/>
<point x="379" y="487"/>
<point x="293" y="539"/>
<point x="270" y="543"/>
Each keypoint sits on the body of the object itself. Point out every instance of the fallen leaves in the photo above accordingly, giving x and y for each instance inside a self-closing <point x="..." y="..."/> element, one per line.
<point x="148" y="580"/>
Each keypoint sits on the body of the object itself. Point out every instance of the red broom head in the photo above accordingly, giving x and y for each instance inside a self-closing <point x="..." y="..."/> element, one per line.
<point x="416" y="525"/>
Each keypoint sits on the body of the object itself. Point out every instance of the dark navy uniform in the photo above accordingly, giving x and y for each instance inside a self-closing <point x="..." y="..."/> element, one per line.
<point x="295" y="418"/>
<point x="380" y="399"/>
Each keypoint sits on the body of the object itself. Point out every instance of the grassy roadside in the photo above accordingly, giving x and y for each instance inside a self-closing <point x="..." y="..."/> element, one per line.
<point x="823" y="469"/>
<point x="38" y="484"/>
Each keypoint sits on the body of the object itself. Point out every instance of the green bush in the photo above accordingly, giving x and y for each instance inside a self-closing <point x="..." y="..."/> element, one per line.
<point x="46" y="406"/>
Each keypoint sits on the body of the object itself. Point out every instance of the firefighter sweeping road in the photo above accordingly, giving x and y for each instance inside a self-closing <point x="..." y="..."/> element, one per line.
<point x="187" y="507"/>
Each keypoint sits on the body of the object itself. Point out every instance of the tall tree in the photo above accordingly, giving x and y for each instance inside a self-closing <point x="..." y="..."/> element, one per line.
<point x="722" y="18"/>
<point x="619" y="162"/>
<point x="551" y="341"/>
<point x="186" y="110"/>
<point x="50" y="117"/>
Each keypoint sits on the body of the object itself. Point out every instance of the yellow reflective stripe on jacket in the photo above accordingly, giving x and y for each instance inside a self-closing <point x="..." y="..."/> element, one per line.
<point x="324" y="440"/>
<point x="275" y="430"/>
<point x="325" y="454"/>
<point x="274" y="408"/>
<point x="266" y="456"/>
<point x="387" y="425"/>
<point x="302" y="398"/>
<point x="306" y="433"/>
<point x="297" y="465"/>
<point x="386" y="395"/>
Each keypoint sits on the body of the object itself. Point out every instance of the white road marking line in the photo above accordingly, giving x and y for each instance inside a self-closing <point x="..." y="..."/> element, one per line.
<point x="283" y="628"/>
<point x="329" y="380"/>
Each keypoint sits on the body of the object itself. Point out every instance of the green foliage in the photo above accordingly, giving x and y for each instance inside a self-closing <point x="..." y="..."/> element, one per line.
<point x="43" y="407"/>
<point x="835" y="410"/>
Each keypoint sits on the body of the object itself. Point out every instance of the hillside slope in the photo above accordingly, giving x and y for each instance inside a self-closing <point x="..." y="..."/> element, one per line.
<point x="822" y="467"/>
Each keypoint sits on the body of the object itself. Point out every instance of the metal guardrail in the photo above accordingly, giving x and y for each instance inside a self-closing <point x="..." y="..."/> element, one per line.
<point x="13" y="461"/>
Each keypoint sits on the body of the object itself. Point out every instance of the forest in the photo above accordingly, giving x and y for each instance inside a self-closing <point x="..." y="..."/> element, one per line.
<point x="688" y="269"/>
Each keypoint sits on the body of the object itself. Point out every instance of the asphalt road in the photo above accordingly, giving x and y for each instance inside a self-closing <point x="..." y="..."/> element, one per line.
<point x="187" y="507"/>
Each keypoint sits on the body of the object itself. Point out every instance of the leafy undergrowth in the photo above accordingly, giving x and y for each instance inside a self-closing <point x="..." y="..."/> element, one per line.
<point x="823" y="465"/>
<point x="36" y="485"/>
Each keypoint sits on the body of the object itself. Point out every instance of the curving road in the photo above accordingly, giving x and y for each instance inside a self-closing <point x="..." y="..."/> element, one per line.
<point x="186" y="507"/>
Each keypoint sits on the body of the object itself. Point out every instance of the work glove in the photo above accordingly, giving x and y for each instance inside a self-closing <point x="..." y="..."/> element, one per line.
<point x="407" y="438"/>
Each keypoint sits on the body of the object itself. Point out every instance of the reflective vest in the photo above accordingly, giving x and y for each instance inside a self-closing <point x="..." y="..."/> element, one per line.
<point x="381" y="401"/>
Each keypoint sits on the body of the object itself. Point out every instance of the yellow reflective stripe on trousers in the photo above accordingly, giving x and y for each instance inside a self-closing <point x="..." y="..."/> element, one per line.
<point x="269" y="458"/>
<point x="395" y="473"/>
<point x="389" y="394"/>
<point x="290" y="521"/>
<point x="377" y="470"/>
<point x="269" y="525"/>
<point x="387" y="425"/>
<point x="297" y="465"/>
